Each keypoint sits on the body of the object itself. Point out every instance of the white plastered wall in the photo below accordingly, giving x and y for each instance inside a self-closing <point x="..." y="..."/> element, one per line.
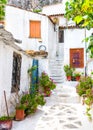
<point x="6" y="65"/>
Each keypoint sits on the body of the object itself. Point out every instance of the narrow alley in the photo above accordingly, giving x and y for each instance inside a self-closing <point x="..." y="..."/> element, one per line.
<point x="63" y="110"/>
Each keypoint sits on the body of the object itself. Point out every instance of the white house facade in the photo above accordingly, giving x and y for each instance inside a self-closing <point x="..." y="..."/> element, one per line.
<point x="18" y="23"/>
<point x="12" y="58"/>
<point x="70" y="39"/>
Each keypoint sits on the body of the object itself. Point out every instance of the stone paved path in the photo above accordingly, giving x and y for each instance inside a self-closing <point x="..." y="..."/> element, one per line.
<point x="59" y="117"/>
<point x="61" y="112"/>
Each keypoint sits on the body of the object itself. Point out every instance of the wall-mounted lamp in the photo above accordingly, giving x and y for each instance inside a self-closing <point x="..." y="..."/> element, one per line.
<point x="55" y="21"/>
<point x="55" y="27"/>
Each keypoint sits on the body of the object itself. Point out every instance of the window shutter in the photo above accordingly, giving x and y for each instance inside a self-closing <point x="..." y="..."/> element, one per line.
<point x="35" y="29"/>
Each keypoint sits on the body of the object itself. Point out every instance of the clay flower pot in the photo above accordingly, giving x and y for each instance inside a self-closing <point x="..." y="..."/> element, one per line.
<point x="5" y="124"/>
<point x="77" y="78"/>
<point x="69" y="78"/>
<point x="20" y="114"/>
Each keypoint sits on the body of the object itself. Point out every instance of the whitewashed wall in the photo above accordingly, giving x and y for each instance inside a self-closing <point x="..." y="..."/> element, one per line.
<point x="52" y="40"/>
<point x="73" y="39"/>
<point x="17" y="22"/>
<point x="6" y="65"/>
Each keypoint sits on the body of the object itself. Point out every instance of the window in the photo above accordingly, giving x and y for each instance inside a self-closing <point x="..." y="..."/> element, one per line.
<point x="61" y="35"/>
<point x="77" y="58"/>
<point x="35" y="29"/>
<point x="16" y="72"/>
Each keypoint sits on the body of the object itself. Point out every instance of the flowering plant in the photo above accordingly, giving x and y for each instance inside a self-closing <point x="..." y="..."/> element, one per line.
<point x="46" y="82"/>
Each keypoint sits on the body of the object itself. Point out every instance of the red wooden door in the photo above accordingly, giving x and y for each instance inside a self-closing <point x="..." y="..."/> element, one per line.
<point x="77" y="57"/>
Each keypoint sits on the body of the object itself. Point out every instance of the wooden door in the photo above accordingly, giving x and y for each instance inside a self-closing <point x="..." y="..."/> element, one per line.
<point x="77" y="57"/>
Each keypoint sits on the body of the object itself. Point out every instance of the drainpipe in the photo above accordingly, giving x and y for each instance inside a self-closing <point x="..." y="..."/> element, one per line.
<point x="85" y="56"/>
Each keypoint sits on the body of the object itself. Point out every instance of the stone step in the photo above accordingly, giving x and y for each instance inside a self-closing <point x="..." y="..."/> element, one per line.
<point x="59" y="65"/>
<point x="56" y="66"/>
<point x="56" y="61"/>
<point x="58" y="81"/>
<point x="56" y="77"/>
<point x="56" y="70"/>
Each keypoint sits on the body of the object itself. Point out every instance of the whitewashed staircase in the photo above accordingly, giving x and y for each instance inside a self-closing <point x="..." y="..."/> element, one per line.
<point x="56" y="70"/>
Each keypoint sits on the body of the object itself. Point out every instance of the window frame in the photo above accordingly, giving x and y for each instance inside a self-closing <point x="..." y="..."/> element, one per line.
<point x="16" y="72"/>
<point x="61" y="35"/>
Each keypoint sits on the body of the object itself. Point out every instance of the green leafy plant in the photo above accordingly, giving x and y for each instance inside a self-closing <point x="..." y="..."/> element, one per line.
<point x="81" y="12"/>
<point x="31" y="102"/>
<point x="89" y="97"/>
<point x="84" y="84"/>
<point x="46" y="82"/>
<point x="4" y="118"/>
<point x="88" y="113"/>
<point x="20" y="106"/>
<point x="6" y="122"/>
<point x="68" y="70"/>
<point x="31" y="69"/>
<point x="35" y="88"/>
<point x="89" y="102"/>
<point x="2" y="9"/>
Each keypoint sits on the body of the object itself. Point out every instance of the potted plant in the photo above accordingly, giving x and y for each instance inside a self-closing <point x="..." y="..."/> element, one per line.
<point x="85" y="83"/>
<point x="31" y="102"/>
<point x="20" y="111"/>
<point x="19" y="107"/>
<point x="84" y="89"/>
<point x="6" y="122"/>
<point x="40" y="99"/>
<point x="77" y="75"/>
<point x="46" y="84"/>
<point x="69" y="71"/>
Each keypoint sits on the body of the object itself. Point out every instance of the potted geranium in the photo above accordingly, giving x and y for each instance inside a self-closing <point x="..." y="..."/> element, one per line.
<point x="85" y="91"/>
<point x="46" y="83"/>
<point x="31" y="102"/>
<point x="85" y="83"/>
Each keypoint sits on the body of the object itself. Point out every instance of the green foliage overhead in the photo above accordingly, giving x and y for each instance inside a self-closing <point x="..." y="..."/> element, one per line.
<point x="81" y="12"/>
<point x="2" y="9"/>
